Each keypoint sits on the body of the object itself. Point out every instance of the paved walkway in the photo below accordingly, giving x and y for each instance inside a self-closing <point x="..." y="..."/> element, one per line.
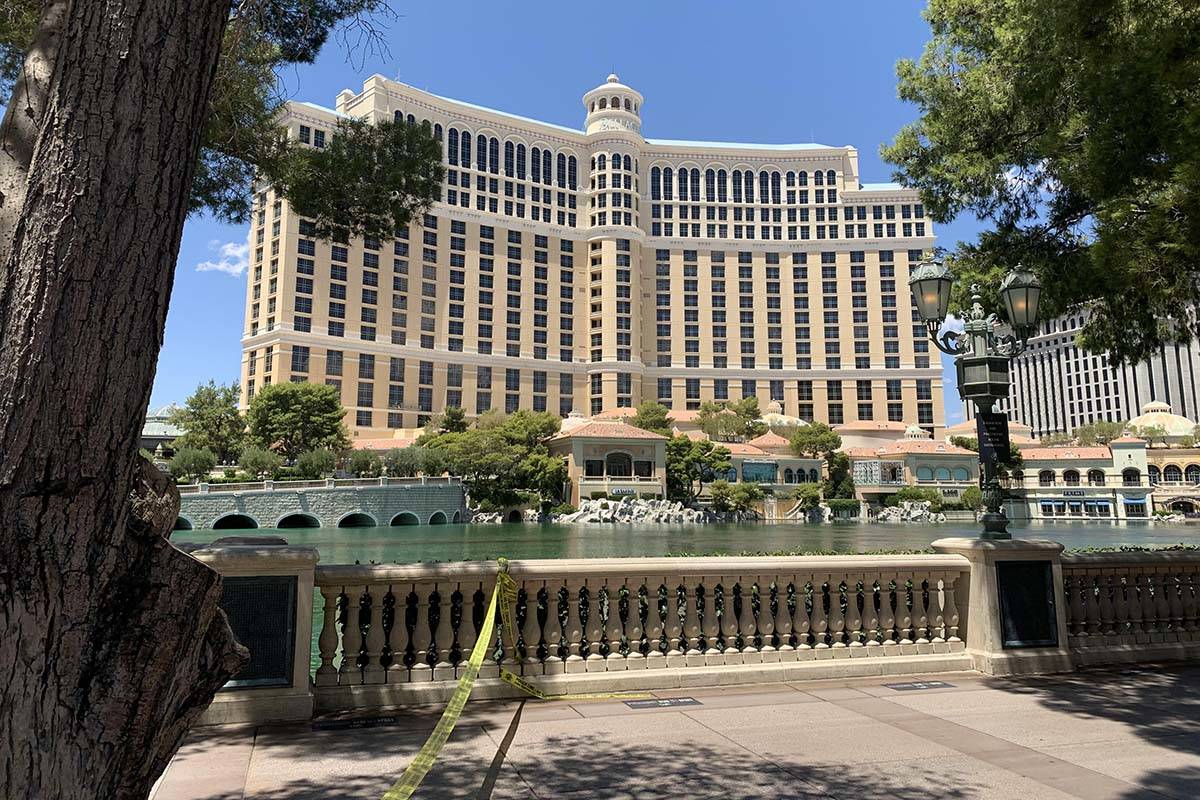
<point x="1093" y="735"/>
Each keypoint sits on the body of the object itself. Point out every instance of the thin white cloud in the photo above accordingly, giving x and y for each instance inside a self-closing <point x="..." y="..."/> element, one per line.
<point x="232" y="258"/>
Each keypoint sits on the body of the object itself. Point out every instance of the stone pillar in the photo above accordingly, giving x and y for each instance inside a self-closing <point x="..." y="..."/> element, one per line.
<point x="980" y="606"/>
<point x="289" y="698"/>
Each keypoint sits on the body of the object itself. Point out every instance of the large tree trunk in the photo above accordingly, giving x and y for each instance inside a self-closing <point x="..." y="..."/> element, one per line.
<point x="111" y="642"/>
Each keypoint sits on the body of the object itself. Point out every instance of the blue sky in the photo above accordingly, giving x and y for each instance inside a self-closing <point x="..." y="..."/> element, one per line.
<point x="762" y="72"/>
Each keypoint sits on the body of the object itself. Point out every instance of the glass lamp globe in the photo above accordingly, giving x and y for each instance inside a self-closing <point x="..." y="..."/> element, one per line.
<point x="930" y="283"/>
<point x="1022" y="293"/>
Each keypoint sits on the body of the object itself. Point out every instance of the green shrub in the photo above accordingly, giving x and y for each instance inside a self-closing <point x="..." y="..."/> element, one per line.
<point x="598" y="495"/>
<point x="563" y="508"/>
<point x="843" y="506"/>
<point x="650" y="496"/>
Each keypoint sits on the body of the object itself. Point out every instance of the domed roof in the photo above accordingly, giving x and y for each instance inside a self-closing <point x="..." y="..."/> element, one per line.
<point x="1159" y="415"/>
<point x="916" y="432"/>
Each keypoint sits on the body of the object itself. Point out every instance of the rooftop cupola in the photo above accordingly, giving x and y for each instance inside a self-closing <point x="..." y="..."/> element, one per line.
<point x="613" y="106"/>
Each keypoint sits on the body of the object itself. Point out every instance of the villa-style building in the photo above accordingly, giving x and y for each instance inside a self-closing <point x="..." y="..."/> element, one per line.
<point x="915" y="460"/>
<point x="606" y="458"/>
<point x="1104" y="482"/>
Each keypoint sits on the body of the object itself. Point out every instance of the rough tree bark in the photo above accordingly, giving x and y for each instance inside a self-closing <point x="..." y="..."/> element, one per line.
<point x="111" y="642"/>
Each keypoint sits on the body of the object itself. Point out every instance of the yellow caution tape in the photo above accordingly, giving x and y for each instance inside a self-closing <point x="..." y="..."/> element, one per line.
<point x="506" y="595"/>
<point x="420" y="766"/>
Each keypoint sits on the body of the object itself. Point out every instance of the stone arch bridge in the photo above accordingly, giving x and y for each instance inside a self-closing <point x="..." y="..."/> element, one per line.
<point x="349" y="503"/>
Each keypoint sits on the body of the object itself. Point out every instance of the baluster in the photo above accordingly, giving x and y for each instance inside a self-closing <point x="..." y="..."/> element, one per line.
<point x="372" y="620"/>
<point x="409" y="618"/>
<point x="635" y="626"/>
<point x="349" y="672"/>
<point x="530" y="628"/>
<point x="656" y="625"/>
<point x="767" y="622"/>
<point x="574" y="630"/>
<point x="601" y="645"/>
<point x="871" y="599"/>
<point x="1163" y="589"/>
<point x="752" y="630"/>
<point x="937" y="617"/>
<point x="921" y="612"/>
<point x="854" y="611"/>
<point x="455" y="653"/>
<point x="1123" y="595"/>
<point x="888" y="603"/>
<point x="466" y="627"/>
<point x="1104" y="600"/>
<point x="838" y="607"/>
<point x="1092" y="614"/>
<point x="716" y="630"/>
<point x="729" y="622"/>
<point x="1191" y="603"/>
<point x="785" y="621"/>
<point x="806" y="603"/>
<point x="422" y="670"/>
<point x="743" y="640"/>
<point x="697" y="641"/>
<point x="950" y="610"/>
<point x="1172" y="580"/>
<point x="624" y="647"/>
<point x="542" y="618"/>
<point x="820" y="615"/>
<point x="555" y="612"/>
<point x="441" y="634"/>
<point x="589" y="620"/>
<point x="904" y="611"/>
<point x="1075" y="591"/>
<point x="1149" y="602"/>
<point x="327" y="642"/>
<point x="677" y="616"/>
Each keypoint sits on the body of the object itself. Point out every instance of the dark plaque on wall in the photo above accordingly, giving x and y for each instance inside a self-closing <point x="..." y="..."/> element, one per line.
<point x="1028" y="617"/>
<point x="262" y="613"/>
<point x="991" y="428"/>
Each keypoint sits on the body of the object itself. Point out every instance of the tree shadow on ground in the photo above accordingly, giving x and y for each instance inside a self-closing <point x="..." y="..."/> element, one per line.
<point x="361" y="764"/>
<point x="1160" y="703"/>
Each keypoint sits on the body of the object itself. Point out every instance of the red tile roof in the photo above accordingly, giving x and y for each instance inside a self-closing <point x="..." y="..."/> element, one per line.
<point x="607" y="430"/>
<point x="770" y="439"/>
<point x="1069" y="453"/>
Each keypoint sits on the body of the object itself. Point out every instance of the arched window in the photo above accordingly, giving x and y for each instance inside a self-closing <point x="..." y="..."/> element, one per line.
<point x="592" y="107"/>
<point x="452" y="146"/>
<point x="521" y="161"/>
<point x="788" y="475"/>
<point x="1046" y="477"/>
<point x="412" y="120"/>
<point x="695" y="184"/>
<point x="764" y="182"/>
<point x="1095" y="477"/>
<point x="535" y="165"/>
<point x="628" y="105"/>
<point x="546" y="167"/>
<point x="722" y="183"/>
<point x="776" y="192"/>
<point x="510" y="159"/>
<point x="1071" y="477"/>
<point x="494" y="156"/>
<point x="572" y="173"/>
<point x="616" y="102"/>
<point x="602" y="162"/>
<point x="668" y="189"/>
<point x="603" y="102"/>
<point x="1155" y="475"/>
<point x="748" y="181"/>
<point x="962" y="474"/>
<point x="683" y="183"/>
<point x="831" y="178"/>
<point x="481" y="152"/>
<point x="628" y="164"/>
<point x="737" y="186"/>
<point x="616" y="160"/>
<point x="1131" y="477"/>
<point x="1172" y="473"/>
<point x="791" y="179"/>
<point x="813" y="475"/>
<point x="924" y="474"/>
<point x="710" y="185"/>
<point x="437" y="131"/>
<point x="655" y="183"/>
<point x="802" y="178"/>
<point x="1192" y="473"/>
<point x="942" y="474"/>
<point x="618" y="465"/>
<point x="398" y="116"/>
<point x="818" y="178"/>
<point x="561" y="166"/>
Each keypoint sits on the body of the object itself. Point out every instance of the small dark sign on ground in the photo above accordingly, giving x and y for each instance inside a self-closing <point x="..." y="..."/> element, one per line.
<point x="917" y="686"/>
<point x="665" y="702"/>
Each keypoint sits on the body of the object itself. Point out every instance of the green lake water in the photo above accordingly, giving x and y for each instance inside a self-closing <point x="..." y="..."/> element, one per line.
<point x="410" y="544"/>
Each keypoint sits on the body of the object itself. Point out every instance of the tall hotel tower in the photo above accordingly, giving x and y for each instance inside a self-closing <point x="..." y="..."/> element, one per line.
<point x="565" y="270"/>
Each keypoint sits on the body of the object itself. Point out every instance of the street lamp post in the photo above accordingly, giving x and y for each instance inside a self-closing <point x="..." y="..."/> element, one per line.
<point x="981" y="354"/>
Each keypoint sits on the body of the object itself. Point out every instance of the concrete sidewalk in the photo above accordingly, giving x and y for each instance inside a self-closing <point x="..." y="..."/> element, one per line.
<point x="1100" y="734"/>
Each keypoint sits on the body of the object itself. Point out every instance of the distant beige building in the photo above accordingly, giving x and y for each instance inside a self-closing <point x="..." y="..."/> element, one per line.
<point x="594" y="269"/>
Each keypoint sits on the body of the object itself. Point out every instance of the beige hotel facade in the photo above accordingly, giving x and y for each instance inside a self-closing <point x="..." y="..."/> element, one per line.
<point x="585" y="270"/>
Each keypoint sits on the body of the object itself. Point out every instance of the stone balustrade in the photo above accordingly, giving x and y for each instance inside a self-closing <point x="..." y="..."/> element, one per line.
<point x="1123" y="607"/>
<point x="402" y="633"/>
